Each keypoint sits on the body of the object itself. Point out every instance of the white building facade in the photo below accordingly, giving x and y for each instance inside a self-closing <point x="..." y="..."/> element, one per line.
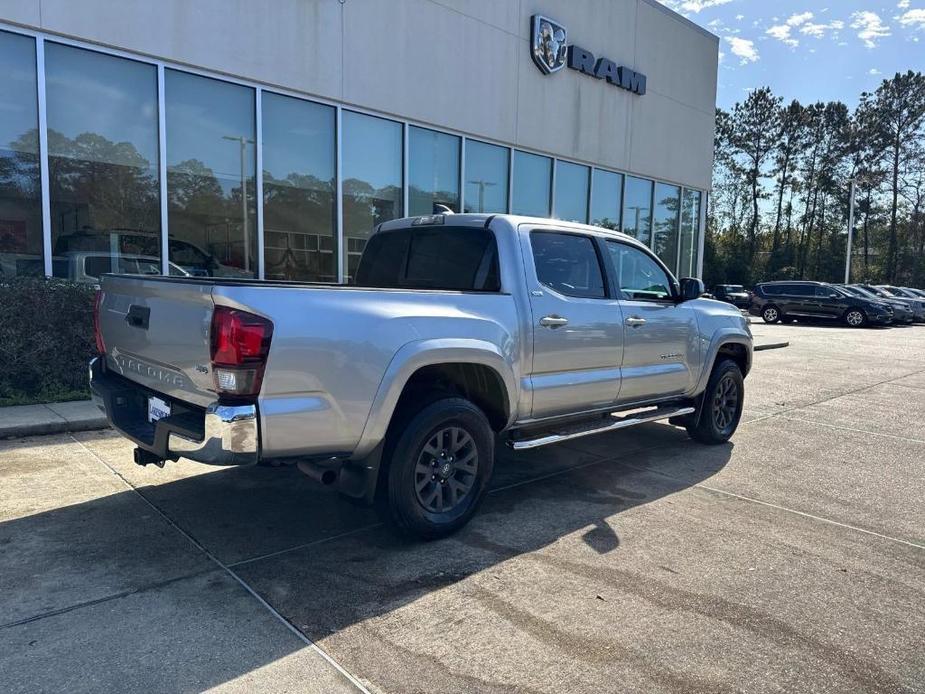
<point x="223" y="137"/>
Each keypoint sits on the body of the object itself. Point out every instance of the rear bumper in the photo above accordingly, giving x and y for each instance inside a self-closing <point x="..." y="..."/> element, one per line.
<point x="218" y="434"/>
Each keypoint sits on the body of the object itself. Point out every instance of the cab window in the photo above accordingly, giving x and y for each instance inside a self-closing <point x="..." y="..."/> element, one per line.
<point x="638" y="275"/>
<point x="568" y="264"/>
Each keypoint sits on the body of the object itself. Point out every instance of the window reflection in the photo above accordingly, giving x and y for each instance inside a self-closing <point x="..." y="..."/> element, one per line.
<point x="211" y="167"/>
<point x="299" y="214"/>
<point x="433" y="172"/>
<point x="637" y="208"/>
<point x="667" y="209"/>
<point x="690" y="233"/>
<point x="20" y="187"/>
<point x="102" y="159"/>
<point x="532" y="182"/>
<point x="371" y="154"/>
<point x="486" y="177"/>
<point x="606" y="198"/>
<point x="572" y="191"/>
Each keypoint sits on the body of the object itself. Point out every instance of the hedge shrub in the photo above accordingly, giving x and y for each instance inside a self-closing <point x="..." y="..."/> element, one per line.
<point x="46" y="340"/>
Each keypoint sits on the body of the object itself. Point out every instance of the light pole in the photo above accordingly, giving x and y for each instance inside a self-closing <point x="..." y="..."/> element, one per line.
<point x="850" y="230"/>
<point x="247" y="245"/>
<point x="482" y="184"/>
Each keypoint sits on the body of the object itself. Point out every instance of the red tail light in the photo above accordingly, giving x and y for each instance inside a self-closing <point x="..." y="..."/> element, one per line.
<point x="240" y="346"/>
<point x="97" y="332"/>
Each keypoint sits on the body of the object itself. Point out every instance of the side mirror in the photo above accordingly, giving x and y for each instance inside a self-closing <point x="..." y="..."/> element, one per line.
<point x="691" y="288"/>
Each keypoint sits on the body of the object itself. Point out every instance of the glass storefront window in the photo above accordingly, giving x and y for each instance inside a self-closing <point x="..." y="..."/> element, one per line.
<point x="211" y="172"/>
<point x="532" y="183"/>
<point x="20" y="184"/>
<point x="102" y="160"/>
<point x="606" y="198"/>
<point x="372" y="180"/>
<point x="667" y="209"/>
<point x="487" y="169"/>
<point x="433" y="172"/>
<point x="690" y="232"/>
<point x="299" y="211"/>
<point x="637" y="208"/>
<point x="572" y="184"/>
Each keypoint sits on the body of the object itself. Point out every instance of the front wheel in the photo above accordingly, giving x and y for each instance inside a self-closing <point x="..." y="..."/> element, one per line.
<point x="770" y="314"/>
<point x="855" y="318"/>
<point x="439" y="467"/>
<point x="721" y="408"/>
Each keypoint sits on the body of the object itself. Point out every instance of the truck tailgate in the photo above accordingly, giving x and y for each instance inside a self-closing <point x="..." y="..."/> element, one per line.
<point x="156" y="333"/>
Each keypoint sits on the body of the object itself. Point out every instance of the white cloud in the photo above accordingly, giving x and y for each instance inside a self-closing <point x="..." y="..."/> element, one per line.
<point x="695" y="6"/>
<point x="870" y="27"/>
<point x="914" y="19"/>
<point x="819" y="30"/>
<point x="874" y="71"/>
<point x="902" y="4"/>
<point x="740" y="17"/>
<point x="744" y="49"/>
<point x="782" y="32"/>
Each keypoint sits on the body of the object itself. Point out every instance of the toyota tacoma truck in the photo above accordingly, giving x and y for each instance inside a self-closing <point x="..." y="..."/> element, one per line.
<point x="457" y="331"/>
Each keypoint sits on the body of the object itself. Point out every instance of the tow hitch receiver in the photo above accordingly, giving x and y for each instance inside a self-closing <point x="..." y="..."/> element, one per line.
<point x="143" y="457"/>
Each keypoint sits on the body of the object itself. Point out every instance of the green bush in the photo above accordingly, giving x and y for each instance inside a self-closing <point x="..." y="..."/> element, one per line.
<point x="46" y="340"/>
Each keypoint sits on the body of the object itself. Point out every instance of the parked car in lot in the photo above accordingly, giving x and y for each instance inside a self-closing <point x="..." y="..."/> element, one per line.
<point x="791" y="300"/>
<point x="916" y="292"/>
<point x="902" y="313"/>
<point x="87" y="266"/>
<point x="461" y="329"/>
<point x="734" y="294"/>
<point x="916" y="303"/>
<point x="884" y="295"/>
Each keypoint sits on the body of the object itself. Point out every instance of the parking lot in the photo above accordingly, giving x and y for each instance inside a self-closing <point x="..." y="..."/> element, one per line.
<point x="791" y="559"/>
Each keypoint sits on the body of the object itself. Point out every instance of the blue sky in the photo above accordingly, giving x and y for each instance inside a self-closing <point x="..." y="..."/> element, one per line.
<point x="811" y="50"/>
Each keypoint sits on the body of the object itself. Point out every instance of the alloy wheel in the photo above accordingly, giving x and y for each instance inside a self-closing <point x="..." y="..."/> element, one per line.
<point x="725" y="402"/>
<point x="446" y="469"/>
<point x="770" y="315"/>
<point x="854" y="318"/>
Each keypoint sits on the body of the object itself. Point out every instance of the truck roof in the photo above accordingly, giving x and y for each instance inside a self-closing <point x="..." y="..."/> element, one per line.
<point x="481" y="220"/>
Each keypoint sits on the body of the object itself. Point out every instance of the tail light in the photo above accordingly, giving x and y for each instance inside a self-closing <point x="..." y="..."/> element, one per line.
<point x="97" y="332"/>
<point x="239" y="349"/>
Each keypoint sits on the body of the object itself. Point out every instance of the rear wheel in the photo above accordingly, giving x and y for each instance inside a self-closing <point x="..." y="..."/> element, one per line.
<point x="439" y="464"/>
<point x="721" y="408"/>
<point x="855" y="318"/>
<point x="770" y="314"/>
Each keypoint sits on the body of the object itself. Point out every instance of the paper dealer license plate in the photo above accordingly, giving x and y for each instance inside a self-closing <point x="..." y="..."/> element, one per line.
<point x="157" y="409"/>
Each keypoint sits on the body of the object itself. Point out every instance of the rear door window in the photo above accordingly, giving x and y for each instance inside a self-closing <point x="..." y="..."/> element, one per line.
<point x="568" y="264"/>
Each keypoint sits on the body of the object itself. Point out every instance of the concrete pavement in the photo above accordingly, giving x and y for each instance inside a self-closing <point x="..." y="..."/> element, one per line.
<point x="791" y="559"/>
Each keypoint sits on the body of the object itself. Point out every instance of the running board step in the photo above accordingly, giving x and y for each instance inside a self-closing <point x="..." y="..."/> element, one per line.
<point x="623" y="420"/>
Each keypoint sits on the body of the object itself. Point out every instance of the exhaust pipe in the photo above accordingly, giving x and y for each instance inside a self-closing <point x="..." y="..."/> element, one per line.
<point x="325" y="472"/>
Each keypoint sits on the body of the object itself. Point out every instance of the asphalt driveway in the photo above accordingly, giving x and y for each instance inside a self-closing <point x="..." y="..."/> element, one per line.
<point x="791" y="559"/>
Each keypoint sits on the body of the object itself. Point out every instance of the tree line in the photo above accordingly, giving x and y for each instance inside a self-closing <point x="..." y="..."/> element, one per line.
<point x="781" y="181"/>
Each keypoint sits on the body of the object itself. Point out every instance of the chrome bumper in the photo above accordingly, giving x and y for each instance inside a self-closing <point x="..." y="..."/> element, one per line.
<point x="222" y="435"/>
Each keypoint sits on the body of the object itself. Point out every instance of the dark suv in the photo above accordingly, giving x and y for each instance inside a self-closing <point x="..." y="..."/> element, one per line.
<point x="734" y="294"/>
<point x="786" y="301"/>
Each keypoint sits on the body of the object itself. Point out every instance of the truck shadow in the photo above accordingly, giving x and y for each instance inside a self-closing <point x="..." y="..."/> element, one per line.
<point x="325" y="564"/>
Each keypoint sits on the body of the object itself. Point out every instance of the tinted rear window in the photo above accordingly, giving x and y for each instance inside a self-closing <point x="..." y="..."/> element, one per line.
<point x="438" y="257"/>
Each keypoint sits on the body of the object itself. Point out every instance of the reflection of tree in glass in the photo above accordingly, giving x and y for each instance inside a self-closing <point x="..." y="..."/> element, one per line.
<point x="20" y="208"/>
<point x="666" y="228"/>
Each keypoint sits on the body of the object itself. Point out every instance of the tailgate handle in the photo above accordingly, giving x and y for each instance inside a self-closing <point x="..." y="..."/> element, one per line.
<point x="138" y="316"/>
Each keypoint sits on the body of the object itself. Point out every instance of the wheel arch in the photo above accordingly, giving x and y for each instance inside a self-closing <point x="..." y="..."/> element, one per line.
<point x="474" y="369"/>
<point x="727" y="343"/>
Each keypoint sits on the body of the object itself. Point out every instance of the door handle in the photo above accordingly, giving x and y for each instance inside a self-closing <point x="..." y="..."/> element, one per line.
<point x="635" y="321"/>
<point x="553" y="321"/>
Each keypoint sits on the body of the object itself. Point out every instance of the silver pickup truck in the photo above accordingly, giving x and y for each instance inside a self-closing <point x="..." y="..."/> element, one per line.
<point x="457" y="331"/>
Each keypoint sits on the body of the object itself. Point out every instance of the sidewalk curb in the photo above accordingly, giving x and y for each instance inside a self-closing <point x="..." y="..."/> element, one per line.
<point x="53" y="418"/>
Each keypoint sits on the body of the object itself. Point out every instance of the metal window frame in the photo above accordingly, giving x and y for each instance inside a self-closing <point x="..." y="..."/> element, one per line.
<point x="162" y="168"/>
<point x="161" y="64"/>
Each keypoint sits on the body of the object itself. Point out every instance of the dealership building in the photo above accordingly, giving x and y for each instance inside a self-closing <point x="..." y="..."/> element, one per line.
<point x="231" y="138"/>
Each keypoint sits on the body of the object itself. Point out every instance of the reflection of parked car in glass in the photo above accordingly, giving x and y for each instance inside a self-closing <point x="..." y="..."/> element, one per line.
<point x="734" y="294"/>
<point x="87" y="266"/>
<point x="916" y="303"/>
<point x="902" y="314"/>
<point x="787" y="301"/>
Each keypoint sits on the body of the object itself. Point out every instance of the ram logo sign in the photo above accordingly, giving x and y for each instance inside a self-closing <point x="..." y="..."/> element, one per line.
<point x="551" y="53"/>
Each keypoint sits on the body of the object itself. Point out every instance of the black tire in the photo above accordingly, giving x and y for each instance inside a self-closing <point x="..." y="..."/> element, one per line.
<point x="770" y="314"/>
<point x="855" y="318"/>
<point x="411" y="498"/>
<point x="712" y="427"/>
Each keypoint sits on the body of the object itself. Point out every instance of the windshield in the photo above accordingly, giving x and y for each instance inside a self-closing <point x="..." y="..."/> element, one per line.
<point x="734" y="288"/>
<point x="890" y="291"/>
<point x="856" y="291"/>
